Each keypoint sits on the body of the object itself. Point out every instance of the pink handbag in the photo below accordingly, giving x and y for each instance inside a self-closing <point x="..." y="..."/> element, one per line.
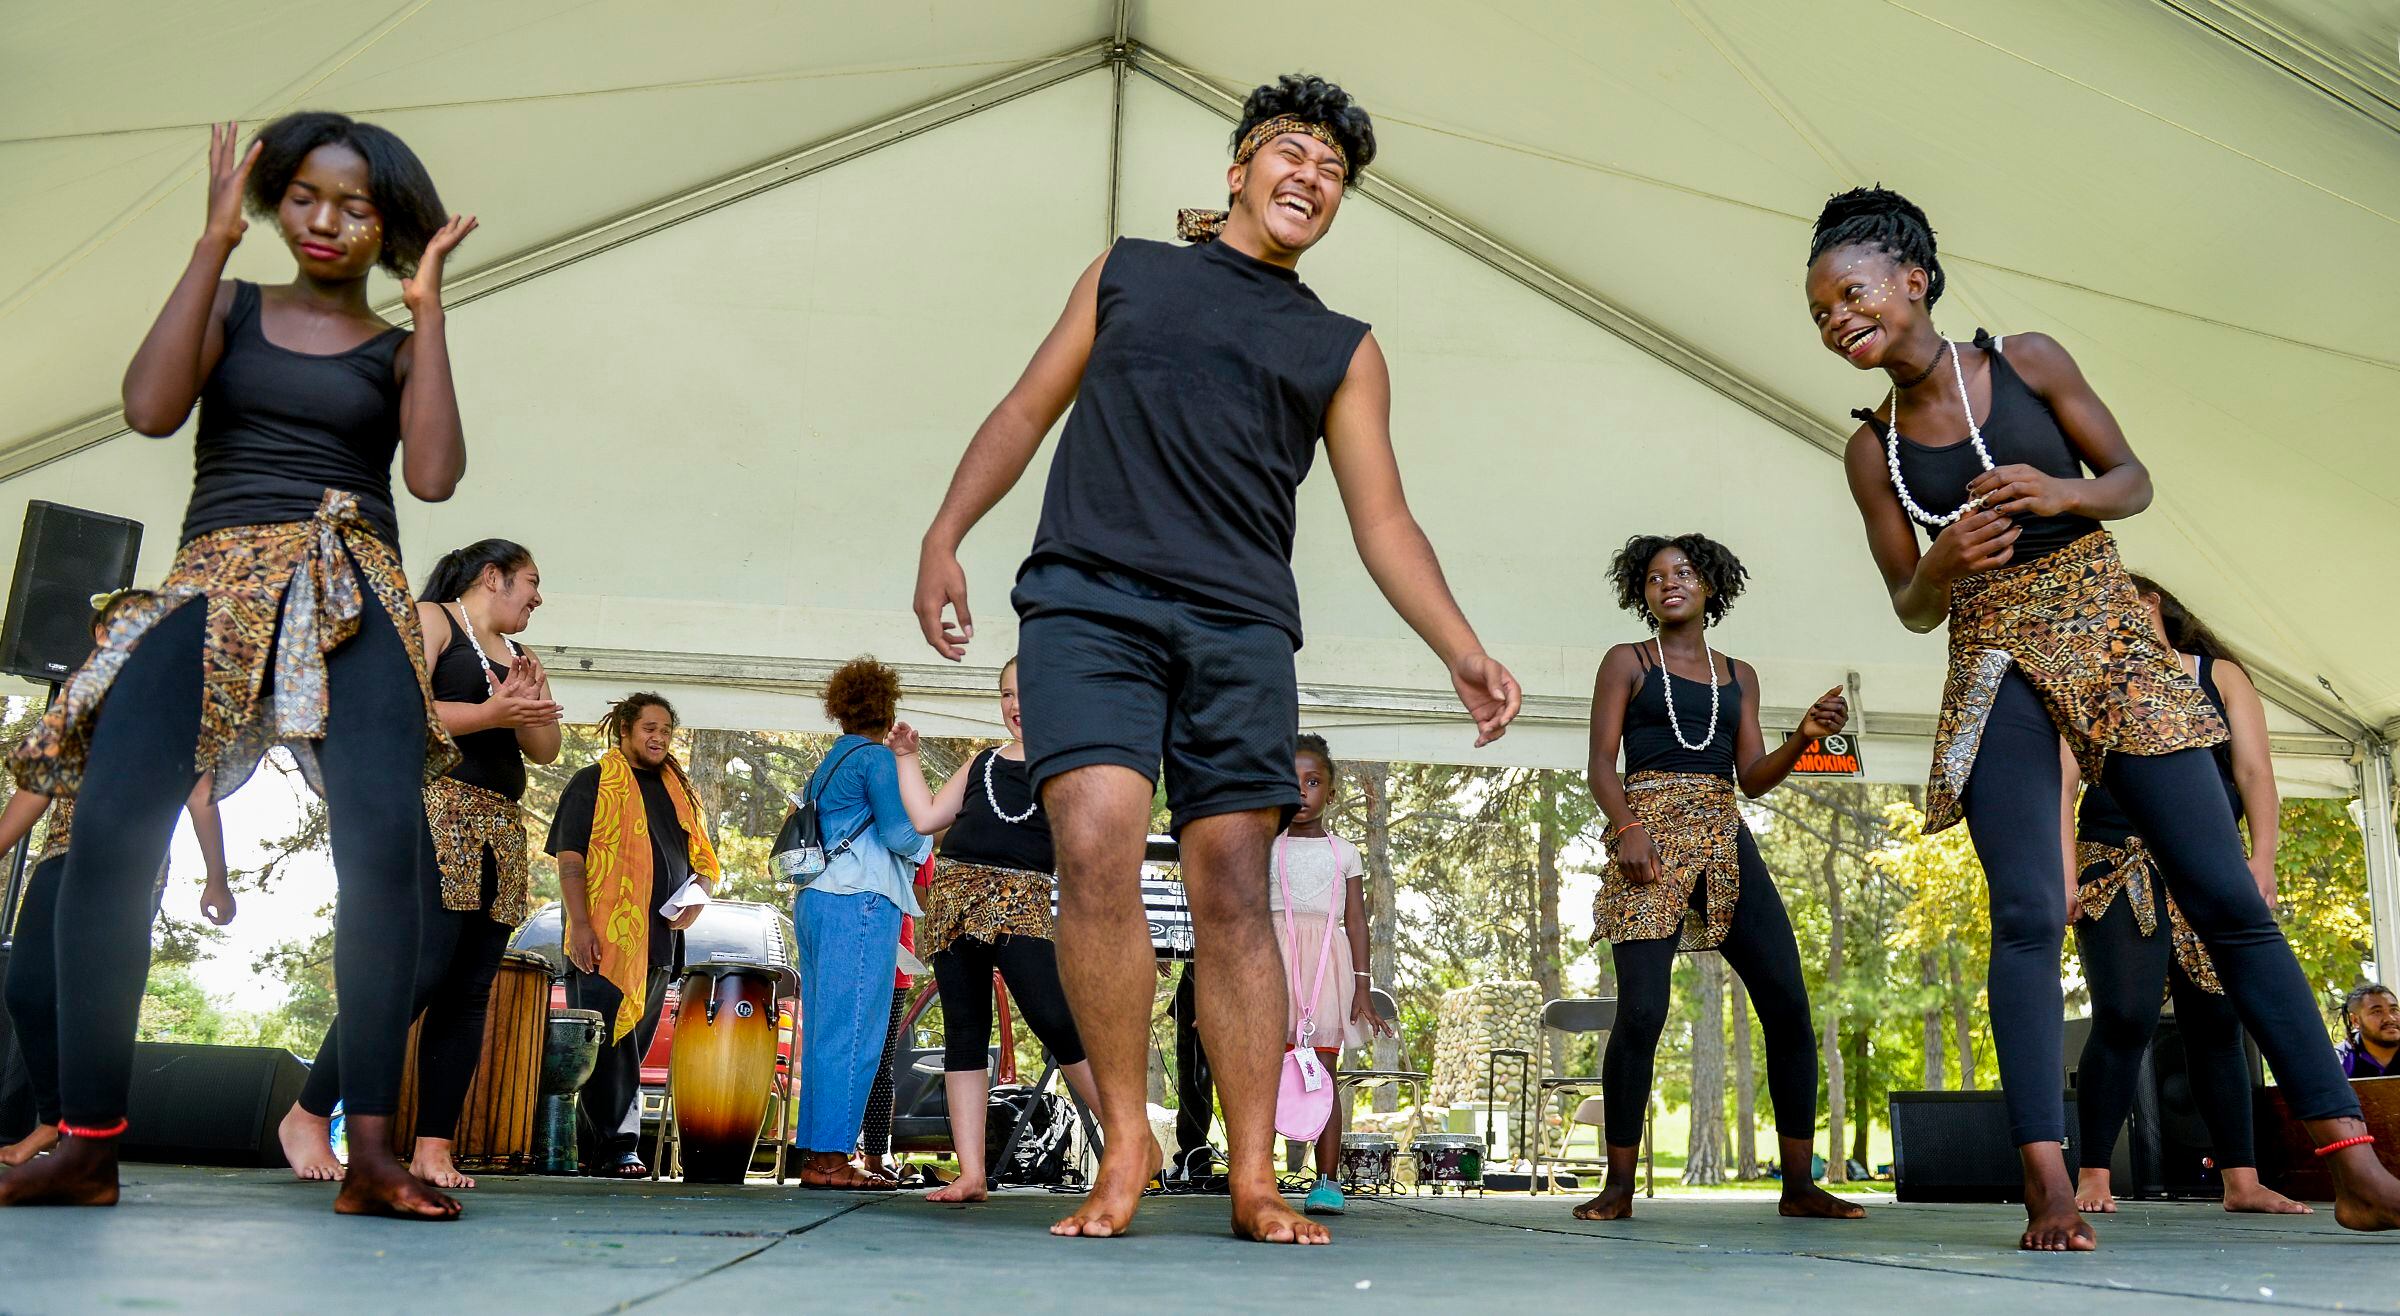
<point x="1304" y="1095"/>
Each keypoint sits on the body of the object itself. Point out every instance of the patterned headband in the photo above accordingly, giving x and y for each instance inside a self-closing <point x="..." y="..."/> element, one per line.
<point x="1206" y="225"/>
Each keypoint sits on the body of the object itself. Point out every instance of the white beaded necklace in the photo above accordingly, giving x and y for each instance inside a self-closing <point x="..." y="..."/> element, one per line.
<point x="1716" y="697"/>
<point x="993" y="799"/>
<point x="482" y="662"/>
<point x="1891" y="452"/>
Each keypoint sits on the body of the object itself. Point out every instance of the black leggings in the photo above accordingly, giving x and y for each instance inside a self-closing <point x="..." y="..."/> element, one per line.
<point x="875" y="1130"/>
<point x="33" y="985"/>
<point x="1759" y="947"/>
<point x="135" y="780"/>
<point x="1029" y="965"/>
<point x="2128" y="973"/>
<point x="2177" y="803"/>
<point x="458" y="953"/>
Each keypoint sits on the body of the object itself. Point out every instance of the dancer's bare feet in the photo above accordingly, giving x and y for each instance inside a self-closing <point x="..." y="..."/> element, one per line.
<point x="78" y="1172"/>
<point x="1126" y="1167"/>
<point x="377" y="1184"/>
<point x="1808" y="1201"/>
<point x="431" y="1162"/>
<point x="1262" y="1216"/>
<point x="308" y="1144"/>
<point x="2092" y="1192"/>
<point x="2365" y="1196"/>
<point x="1615" y="1202"/>
<point x="2243" y="1192"/>
<point x="42" y="1139"/>
<point x="962" y="1190"/>
<point x="2051" y="1223"/>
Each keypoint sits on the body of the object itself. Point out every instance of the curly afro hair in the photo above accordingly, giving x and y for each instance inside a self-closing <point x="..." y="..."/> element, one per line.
<point x="410" y="208"/>
<point x="1885" y="220"/>
<point x="1719" y="569"/>
<point x="1312" y="743"/>
<point x="863" y="696"/>
<point x="1312" y="99"/>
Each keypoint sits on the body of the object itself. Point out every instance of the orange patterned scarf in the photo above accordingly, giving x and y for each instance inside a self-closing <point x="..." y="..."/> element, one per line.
<point x="617" y="876"/>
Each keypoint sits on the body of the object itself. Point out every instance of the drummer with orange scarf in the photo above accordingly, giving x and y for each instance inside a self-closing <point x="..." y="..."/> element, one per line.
<point x="627" y="837"/>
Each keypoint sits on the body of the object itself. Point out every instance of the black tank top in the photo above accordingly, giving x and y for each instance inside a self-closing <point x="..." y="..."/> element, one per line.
<point x="489" y="758"/>
<point x="2020" y="430"/>
<point x="278" y="428"/>
<point x="1650" y="744"/>
<point x="980" y="836"/>
<point x="1197" y="419"/>
<point x="2099" y="820"/>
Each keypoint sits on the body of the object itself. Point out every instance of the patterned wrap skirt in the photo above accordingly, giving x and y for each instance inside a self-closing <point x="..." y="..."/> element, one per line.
<point x="1696" y="826"/>
<point x="62" y="822"/>
<point x="466" y="820"/>
<point x="983" y="902"/>
<point x="2103" y="872"/>
<point x="2073" y="625"/>
<point x="280" y="596"/>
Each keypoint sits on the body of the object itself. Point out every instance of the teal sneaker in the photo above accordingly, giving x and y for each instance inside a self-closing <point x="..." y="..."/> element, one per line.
<point x="1324" y="1199"/>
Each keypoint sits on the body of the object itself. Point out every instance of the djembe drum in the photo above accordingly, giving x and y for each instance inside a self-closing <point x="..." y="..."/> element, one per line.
<point x="570" y="1052"/>
<point x="495" y="1126"/>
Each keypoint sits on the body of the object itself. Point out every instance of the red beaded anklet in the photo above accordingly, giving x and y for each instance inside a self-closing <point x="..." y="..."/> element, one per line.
<point x="2330" y="1148"/>
<point x="80" y="1131"/>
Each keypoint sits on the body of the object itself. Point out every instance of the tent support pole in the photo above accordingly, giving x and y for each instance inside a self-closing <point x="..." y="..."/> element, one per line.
<point x="2382" y="839"/>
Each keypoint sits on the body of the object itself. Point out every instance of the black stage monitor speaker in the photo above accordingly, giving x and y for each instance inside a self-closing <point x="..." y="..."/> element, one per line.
<point x="210" y="1105"/>
<point x="65" y="557"/>
<point x="2165" y="1149"/>
<point x="1955" y="1147"/>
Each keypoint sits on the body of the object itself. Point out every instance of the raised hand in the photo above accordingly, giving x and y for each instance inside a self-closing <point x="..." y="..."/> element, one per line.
<point x="942" y="583"/>
<point x="1489" y="694"/>
<point x="228" y="177"/>
<point x="1829" y="714"/>
<point x="902" y="740"/>
<point x="536" y="676"/>
<point x="422" y="291"/>
<point x="519" y="711"/>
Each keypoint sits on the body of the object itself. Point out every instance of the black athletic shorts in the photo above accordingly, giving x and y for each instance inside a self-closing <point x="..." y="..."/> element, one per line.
<point x="1116" y="668"/>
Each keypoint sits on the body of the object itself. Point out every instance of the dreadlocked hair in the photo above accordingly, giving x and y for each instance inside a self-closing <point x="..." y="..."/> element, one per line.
<point x="2186" y="632"/>
<point x="627" y="711"/>
<point x="1885" y="220"/>
<point x="1312" y="99"/>
<point x="1312" y="743"/>
<point x="1719" y="569"/>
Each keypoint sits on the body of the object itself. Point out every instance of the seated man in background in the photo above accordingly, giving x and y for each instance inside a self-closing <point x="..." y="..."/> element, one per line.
<point x="2373" y="1015"/>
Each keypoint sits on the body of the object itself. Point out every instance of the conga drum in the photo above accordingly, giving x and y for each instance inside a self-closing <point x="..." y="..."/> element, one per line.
<point x="721" y="1071"/>
<point x="495" y="1126"/>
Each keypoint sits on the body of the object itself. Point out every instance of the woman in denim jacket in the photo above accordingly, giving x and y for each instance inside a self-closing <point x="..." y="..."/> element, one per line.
<point x="848" y="922"/>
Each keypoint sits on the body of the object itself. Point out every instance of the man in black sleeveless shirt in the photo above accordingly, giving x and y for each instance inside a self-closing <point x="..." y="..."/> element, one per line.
<point x="1159" y="614"/>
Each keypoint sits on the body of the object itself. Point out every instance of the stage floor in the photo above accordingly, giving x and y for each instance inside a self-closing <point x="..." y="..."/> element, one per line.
<point x="255" y="1241"/>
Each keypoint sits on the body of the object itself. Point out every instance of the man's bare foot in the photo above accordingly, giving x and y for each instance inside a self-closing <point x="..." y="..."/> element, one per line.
<point x="372" y="1188"/>
<point x="2256" y="1197"/>
<point x="1808" y="1201"/>
<point x="431" y="1163"/>
<point x="1126" y="1167"/>
<point x="2051" y="1224"/>
<point x="42" y="1139"/>
<point x="962" y="1190"/>
<point x="1615" y="1202"/>
<point x="1262" y="1216"/>
<point x="80" y="1172"/>
<point x="308" y="1144"/>
<point x="2092" y="1192"/>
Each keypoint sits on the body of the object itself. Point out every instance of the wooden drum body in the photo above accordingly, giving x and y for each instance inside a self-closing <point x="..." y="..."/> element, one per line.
<point x="495" y="1126"/>
<point x="722" y="1071"/>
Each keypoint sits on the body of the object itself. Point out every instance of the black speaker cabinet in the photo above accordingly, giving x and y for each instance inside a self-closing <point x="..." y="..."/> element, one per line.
<point x="16" y="1086"/>
<point x="1955" y="1147"/>
<point x="66" y="556"/>
<point x="2165" y="1149"/>
<point x="210" y="1105"/>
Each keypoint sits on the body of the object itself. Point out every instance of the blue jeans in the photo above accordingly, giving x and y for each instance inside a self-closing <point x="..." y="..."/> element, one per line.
<point x="849" y="949"/>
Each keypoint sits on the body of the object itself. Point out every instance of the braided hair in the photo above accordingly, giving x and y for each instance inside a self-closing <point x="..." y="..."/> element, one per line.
<point x="1719" y="569"/>
<point x="1885" y="220"/>
<point x="627" y="711"/>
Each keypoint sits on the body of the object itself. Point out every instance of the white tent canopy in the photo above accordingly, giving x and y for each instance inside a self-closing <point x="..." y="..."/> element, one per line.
<point x="750" y="273"/>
